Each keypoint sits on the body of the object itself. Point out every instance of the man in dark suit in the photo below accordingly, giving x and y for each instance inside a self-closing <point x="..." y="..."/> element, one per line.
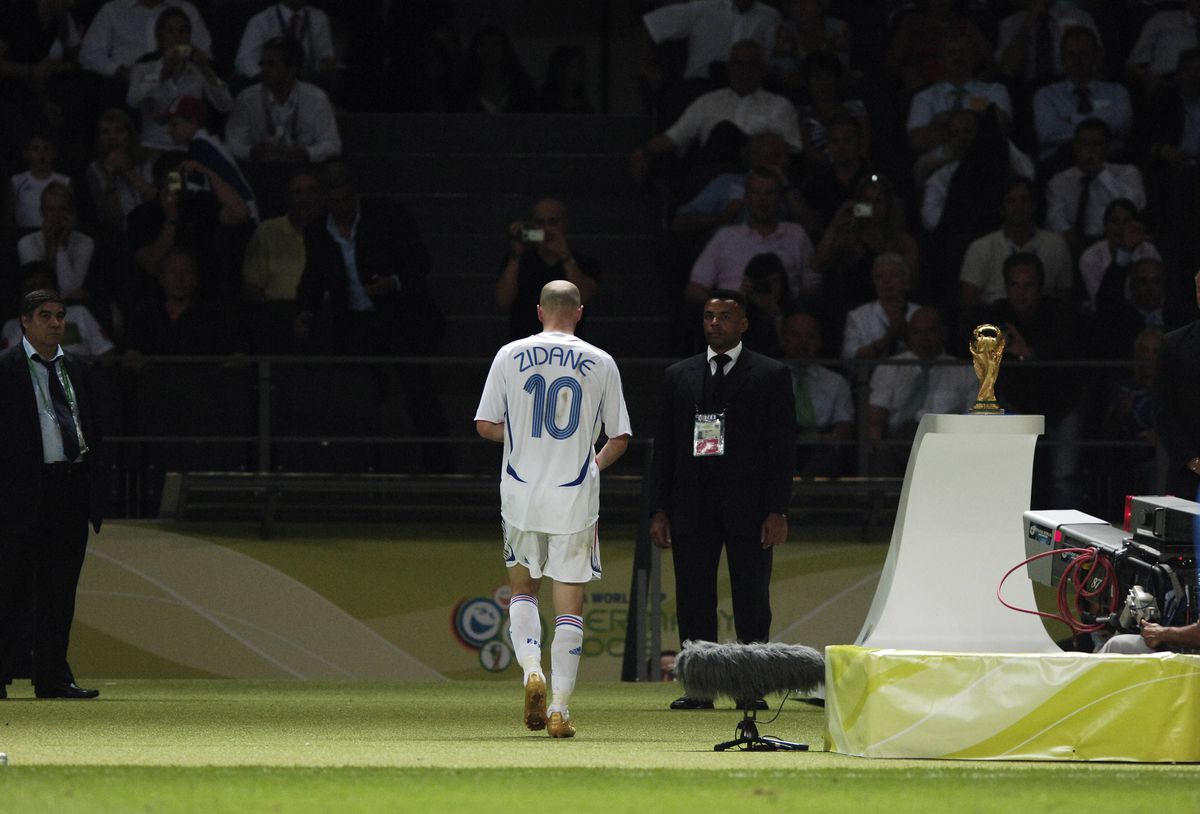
<point x="722" y="477"/>
<point x="381" y="305"/>
<point x="1177" y="406"/>
<point x="364" y="284"/>
<point x="52" y="483"/>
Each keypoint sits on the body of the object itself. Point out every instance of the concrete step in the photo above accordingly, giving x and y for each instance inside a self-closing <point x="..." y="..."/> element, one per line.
<point x="459" y="253"/>
<point x="633" y="336"/>
<point x="481" y="133"/>
<point x="529" y="173"/>
<point x="621" y="294"/>
<point x="492" y="212"/>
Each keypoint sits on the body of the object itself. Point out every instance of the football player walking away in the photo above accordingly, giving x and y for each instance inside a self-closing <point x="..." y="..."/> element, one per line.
<point x="546" y="399"/>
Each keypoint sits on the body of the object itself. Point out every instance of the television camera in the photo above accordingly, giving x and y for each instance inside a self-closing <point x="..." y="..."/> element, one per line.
<point x="1120" y="576"/>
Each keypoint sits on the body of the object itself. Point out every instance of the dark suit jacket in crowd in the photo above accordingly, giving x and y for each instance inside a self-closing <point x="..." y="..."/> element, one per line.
<point x="1177" y="406"/>
<point x="388" y="243"/>
<point x="754" y="476"/>
<point x="21" y="442"/>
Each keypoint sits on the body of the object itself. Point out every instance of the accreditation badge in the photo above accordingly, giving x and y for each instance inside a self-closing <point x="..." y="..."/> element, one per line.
<point x="708" y="435"/>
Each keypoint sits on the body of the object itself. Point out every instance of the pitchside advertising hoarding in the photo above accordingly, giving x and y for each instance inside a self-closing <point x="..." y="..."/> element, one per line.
<point x="368" y="605"/>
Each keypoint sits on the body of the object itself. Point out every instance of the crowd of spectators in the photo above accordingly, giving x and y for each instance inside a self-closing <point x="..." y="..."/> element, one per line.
<point x="865" y="165"/>
<point x="163" y="157"/>
<point x="1029" y="163"/>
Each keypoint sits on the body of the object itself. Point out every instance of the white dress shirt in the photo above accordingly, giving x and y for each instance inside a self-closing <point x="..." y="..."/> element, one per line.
<point x="123" y="31"/>
<point x="937" y="185"/>
<point x="754" y="113"/>
<point x="1094" y="263"/>
<point x="830" y="395"/>
<point x="304" y="119"/>
<point x="153" y="96"/>
<point x="952" y="389"/>
<point x="70" y="266"/>
<point x="52" y="437"/>
<point x="1056" y="113"/>
<point x="1114" y="181"/>
<point x="941" y="97"/>
<point x="314" y="37"/>
<point x="1162" y="39"/>
<point x="983" y="264"/>
<point x="711" y="27"/>
<point x="1062" y="16"/>
<point x="866" y="324"/>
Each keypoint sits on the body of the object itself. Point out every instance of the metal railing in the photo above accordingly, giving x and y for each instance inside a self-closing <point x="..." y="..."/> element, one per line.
<point x="268" y="387"/>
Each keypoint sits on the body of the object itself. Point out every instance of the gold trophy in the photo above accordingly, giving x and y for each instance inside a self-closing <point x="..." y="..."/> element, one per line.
<point x="987" y="348"/>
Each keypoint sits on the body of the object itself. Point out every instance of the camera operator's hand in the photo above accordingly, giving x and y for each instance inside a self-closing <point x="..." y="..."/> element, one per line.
<point x="556" y="246"/>
<point x="516" y="246"/>
<point x="1154" y="635"/>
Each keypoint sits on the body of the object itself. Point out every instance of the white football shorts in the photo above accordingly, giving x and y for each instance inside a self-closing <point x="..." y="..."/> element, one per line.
<point x="562" y="557"/>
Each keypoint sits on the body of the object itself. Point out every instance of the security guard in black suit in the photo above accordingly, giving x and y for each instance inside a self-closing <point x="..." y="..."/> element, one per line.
<point x="52" y="483"/>
<point x="722" y="477"/>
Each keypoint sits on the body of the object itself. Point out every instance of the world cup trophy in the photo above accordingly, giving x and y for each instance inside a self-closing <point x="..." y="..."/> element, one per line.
<point x="987" y="349"/>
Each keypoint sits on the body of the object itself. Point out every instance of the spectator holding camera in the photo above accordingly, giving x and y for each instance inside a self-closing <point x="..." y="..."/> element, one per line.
<point x="866" y="226"/>
<point x="538" y="252"/>
<point x="119" y="34"/>
<point x="175" y="70"/>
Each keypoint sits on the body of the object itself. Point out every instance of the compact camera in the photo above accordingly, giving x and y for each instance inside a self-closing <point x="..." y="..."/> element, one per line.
<point x="863" y="210"/>
<point x="175" y="181"/>
<point x="531" y="235"/>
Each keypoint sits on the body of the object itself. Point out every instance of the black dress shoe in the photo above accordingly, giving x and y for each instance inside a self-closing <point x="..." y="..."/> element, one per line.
<point x="71" y="690"/>
<point x="687" y="702"/>
<point x="752" y="703"/>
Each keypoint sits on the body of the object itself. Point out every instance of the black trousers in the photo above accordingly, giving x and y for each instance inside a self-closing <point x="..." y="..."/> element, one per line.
<point x="40" y="564"/>
<point x="697" y="559"/>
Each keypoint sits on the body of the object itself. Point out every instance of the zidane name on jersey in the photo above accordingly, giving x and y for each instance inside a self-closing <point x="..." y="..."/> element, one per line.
<point x="553" y="392"/>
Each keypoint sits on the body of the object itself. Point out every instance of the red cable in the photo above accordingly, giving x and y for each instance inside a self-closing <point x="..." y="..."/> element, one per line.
<point x="1072" y="571"/>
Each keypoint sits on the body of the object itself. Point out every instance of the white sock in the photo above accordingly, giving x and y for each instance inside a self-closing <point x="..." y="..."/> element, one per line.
<point x="564" y="660"/>
<point x="526" y="634"/>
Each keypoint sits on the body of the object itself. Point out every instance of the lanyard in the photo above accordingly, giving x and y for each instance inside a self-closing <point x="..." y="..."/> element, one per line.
<point x="68" y="388"/>
<point x="291" y="124"/>
<point x="64" y="379"/>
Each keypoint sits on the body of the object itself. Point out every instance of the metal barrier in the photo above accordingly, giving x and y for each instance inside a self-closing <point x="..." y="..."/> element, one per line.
<point x="358" y="415"/>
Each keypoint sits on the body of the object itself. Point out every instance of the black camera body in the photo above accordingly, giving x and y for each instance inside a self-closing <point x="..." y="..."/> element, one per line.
<point x="1153" y="562"/>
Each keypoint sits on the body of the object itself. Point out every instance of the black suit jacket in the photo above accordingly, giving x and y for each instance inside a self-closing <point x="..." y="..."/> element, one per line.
<point x="388" y="243"/>
<point x="1177" y="406"/>
<point x="754" y="476"/>
<point x="21" y="442"/>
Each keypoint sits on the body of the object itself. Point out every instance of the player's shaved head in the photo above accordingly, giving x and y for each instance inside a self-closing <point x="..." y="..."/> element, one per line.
<point x="559" y="297"/>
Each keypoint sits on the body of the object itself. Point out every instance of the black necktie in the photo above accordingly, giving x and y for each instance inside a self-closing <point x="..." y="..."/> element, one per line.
<point x="1043" y="49"/>
<point x="1083" y="104"/>
<point x="718" y="379"/>
<point x="1081" y="206"/>
<point x="62" y="410"/>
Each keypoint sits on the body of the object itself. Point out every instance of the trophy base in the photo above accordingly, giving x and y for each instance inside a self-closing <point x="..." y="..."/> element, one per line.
<point x="987" y="408"/>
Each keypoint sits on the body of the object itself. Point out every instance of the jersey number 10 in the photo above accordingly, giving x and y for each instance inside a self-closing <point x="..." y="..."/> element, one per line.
<point x="544" y="398"/>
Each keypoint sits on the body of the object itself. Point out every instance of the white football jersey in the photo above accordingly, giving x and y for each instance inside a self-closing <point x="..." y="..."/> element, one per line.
<point x="553" y="392"/>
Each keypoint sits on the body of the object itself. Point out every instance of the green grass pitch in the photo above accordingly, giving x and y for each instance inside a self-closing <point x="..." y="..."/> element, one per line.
<point x="233" y="746"/>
